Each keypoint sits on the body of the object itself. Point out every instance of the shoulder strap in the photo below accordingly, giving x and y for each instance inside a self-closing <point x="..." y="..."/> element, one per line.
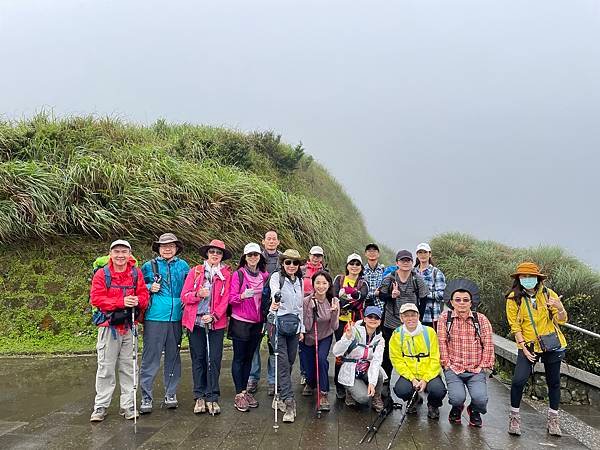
<point x="477" y="326"/>
<point x="351" y="347"/>
<point x="281" y="281"/>
<point x="426" y="337"/>
<point x="240" y="277"/>
<point x="415" y="286"/>
<point x="134" y="275"/>
<point x="107" y="277"/>
<point x="449" y="321"/>
<point x="531" y="317"/>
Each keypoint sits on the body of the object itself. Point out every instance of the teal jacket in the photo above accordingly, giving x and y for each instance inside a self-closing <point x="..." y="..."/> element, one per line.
<point x="165" y="305"/>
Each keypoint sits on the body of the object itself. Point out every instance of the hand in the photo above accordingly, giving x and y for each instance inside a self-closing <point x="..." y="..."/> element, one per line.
<point x="530" y="356"/>
<point x="274" y="306"/>
<point x="155" y="287"/>
<point x="207" y="318"/>
<point x="335" y="304"/>
<point x="371" y="390"/>
<point x="301" y="337"/>
<point x="395" y="290"/>
<point x="415" y="384"/>
<point x="376" y="293"/>
<point x="349" y="331"/>
<point x="130" y="301"/>
<point x="421" y="386"/>
<point x="203" y="293"/>
<point x="555" y="302"/>
<point x="248" y="293"/>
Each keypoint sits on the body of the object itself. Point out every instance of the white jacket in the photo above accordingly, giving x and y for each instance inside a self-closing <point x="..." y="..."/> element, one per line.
<point x="348" y="370"/>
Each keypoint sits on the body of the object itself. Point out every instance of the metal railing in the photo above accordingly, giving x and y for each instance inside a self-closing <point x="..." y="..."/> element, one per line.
<point x="581" y="330"/>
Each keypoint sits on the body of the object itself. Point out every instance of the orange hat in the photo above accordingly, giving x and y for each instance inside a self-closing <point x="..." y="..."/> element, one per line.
<point x="528" y="268"/>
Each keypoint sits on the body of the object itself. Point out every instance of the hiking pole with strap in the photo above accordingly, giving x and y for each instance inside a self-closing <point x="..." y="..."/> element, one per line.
<point x="209" y="365"/>
<point x="135" y="350"/>
<point x="407" y="406"/>
<point x="315" y="316"/>
<point x="277" y="298"/>
<point x="376" y="424"/>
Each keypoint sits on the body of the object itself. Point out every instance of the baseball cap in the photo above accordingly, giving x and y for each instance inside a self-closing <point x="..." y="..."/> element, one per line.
<point x="251" y="248"/>
<point x="352" y="257"/>
<point x="122" y="242"/>
<point x="316" y="250"/>
<point x="423" y="246"/>
<point x="373" y="310"/>
<point x="404" y="254"/>
<point x="372" y="245"/>
<point x="409" y="307"/>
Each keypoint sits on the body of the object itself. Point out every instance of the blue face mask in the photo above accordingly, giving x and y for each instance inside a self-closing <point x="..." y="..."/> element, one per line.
<point x="528" y="282"/>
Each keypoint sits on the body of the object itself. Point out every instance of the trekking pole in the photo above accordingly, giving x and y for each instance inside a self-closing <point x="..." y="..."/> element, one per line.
<point x="317" y="366"/>
<point x="135" y="350"/>
<point x="208" y="374"/>
<point x="276" y="353"/>
<point x="376" y="424"/>
<point x="407" y="406"/>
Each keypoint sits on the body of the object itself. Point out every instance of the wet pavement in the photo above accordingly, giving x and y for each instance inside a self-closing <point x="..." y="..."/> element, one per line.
<point x="46" y="403"/>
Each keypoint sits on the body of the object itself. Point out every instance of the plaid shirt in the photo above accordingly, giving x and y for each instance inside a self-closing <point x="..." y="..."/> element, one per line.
<point x="374" y="277"/>
<point x="435" y="299"/>
<point x="464" y="353"/>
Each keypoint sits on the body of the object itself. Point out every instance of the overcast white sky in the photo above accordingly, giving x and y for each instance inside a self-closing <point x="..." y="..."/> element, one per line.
<point x="477" y="116"/>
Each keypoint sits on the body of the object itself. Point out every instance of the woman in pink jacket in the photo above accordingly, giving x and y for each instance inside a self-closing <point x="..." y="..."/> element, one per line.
<point x="205" y="296"/>
<point x="246" y="323"/>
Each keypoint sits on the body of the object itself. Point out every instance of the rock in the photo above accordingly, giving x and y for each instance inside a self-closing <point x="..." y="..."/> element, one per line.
<point x="48" y="323"/>
<point x="565" y="396"/>
<point x="594" y="397"/>
<point x="541" y="391"/>
<point x="37" y="302"/>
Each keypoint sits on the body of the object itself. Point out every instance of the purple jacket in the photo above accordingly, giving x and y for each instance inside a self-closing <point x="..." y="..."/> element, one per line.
<point x="247" y="309"/>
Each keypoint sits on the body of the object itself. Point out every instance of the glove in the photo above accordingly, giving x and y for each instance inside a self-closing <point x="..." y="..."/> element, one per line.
<point x="247" y="293"/>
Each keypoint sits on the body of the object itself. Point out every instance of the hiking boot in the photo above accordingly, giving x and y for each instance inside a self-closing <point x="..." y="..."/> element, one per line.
<point x="303" y="379"/>
<point x="307" y="391"/>
<point x="129" y="413"/>
<point x="377" y="403"/>
<point x="412" y="409"/>
<point x="252" y="402"/>
<point x="98" y="415"/>
<point x="146" y="406"/>
<point x="455" y="413"/>
<point x="171" y="401"/>
<point x="324" y="402"/>
<point x="252" y="386"/>
<point x="349" y="401"/>
<point x="213" y="408"/>
<point x="553" y="425"/>
<point x="278" y="404"/>
<point x="433" y="412"/>
<point x="474" y="417"/>
<point x="289" y="413"/>
<point x="271" y="390"/>
<point x="514" y="423"/>
<point x="240" y="402"/>
<point x="340" y="392"/>
<point x="200" y="406"/>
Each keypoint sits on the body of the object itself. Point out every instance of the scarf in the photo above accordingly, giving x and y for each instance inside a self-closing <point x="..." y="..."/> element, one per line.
<point x="416" y="332"/>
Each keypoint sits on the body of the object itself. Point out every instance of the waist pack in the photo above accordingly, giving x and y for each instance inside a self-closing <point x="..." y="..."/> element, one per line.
<point x="118" y="317"/>
<point x="287" y="325"/>
<point x="549" y="342"/>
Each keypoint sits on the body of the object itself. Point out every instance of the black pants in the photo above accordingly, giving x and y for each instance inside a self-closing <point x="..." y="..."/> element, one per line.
<point x="386" y="364"/>
<point x="205" y="370"/>
<point x="338" y="335"/>
<point x="522" y="372"/>
<point x="243" y="352"/>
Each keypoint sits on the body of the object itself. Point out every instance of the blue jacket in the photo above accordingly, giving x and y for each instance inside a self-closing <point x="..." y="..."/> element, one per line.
<point x="165" y="305"/>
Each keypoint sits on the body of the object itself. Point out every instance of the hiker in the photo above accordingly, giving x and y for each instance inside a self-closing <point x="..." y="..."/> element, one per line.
<point x="431" y="306"/>
<point x="415" y="355"/>
<point x="271" y="254"/>
<point x="205" y="297"/>
<point x="466" y="350"/>
<point x="352" y="290"/>
<point x="164" y="277"/>
<point x="534" y="313"/>
<point x="360" y="349"/>
<point x="116" y="289"/>
<point x="312" y="266"/>
<point x="373" y="273"/>
<point x="246" y="322"/>
<point x="399" y="287"/>
<point x="287" y="315"/>
<point x="322" y="305"/>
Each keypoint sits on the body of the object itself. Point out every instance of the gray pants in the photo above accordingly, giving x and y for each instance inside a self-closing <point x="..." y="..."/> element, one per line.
<point x="287" y="348"/>
<point x="159" y="336"/>
<point x="114" y="348"/>
<point x="476" y="384"/>
<point x="359" y="390"/>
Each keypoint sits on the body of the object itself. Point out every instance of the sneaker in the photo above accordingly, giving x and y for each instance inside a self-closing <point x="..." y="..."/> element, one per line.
<point x="377" y="403"/>
<point x="514" y="423"/>
<point x="146" y="406"/>
<point x="474" y="417"/>
<point x="433" y="412"/>
<point x="553" y="425"/>
<point x="213" y="408"/>
<point x="412" y="409"/>
<point x="289" y="414"/>
<point x="129" y="413"/>
<point x="171" y="401"/>
<point x="200" y="406"/>
<point x="240" y="402"/>
<point x="324" y="402"/>
<point x="271" y="390"/>
<point x="307" y="391"/>
<point x="349" y="400"/>
<point x="455" y="413"/>
<point x="98" y="415"/>
<point x="303" y="379"/>
<point x="252" y="402"/>
<point x="278" y="404"/>
<point x="340" y="392"/>
<point x="252" y="386"/>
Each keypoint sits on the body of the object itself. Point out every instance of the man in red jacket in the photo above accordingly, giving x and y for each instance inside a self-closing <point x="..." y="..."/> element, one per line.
<point x="117" y="289"/>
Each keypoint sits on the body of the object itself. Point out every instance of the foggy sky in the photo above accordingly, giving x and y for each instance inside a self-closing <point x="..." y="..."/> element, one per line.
<point x="477" y="116"/>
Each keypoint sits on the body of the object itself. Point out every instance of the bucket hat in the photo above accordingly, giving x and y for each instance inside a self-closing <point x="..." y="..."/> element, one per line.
<point x="167" y="238"/>
<point x="291" y="254"/>
<point x="462" y="284"/>
<point x="528" y="268"/>
<point x="215" y="243"/>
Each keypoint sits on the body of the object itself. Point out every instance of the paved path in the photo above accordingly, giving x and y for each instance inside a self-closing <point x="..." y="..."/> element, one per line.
<point x="46" y="403"/>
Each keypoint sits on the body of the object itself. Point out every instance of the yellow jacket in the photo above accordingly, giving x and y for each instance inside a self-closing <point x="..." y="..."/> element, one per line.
<point x="424" y="368"/>
<point x="518" y="318"/>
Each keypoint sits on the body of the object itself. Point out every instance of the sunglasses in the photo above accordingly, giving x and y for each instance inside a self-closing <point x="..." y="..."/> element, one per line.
<point x="354" y="263"/>
<point x="373" y="317"/>
<point x="252" y="254"/>
<point x="214" y="251"/>
<point x="461" y="300"/>
<point x="291" y="262"/>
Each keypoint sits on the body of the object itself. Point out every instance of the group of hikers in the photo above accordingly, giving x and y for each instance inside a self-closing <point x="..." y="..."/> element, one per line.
<point x="403" y="328"/>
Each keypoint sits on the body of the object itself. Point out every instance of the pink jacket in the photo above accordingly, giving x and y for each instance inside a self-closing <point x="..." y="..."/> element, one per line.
<point x="219" y="301"/>
<point x="309" y="271"/>
<point x="247" y="309"/>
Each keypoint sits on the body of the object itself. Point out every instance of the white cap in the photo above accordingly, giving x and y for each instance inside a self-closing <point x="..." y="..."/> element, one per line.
<point x="316" y="250"/>
<point x="423" y="246"/>
<point x="409" y="307"/>
<point x="251" y="248"/>
<point x="122" y="242"/>
<point x="352" y="257"/>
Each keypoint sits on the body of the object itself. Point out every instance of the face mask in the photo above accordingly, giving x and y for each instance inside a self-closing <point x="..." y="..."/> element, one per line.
<point x="528" y="282"/>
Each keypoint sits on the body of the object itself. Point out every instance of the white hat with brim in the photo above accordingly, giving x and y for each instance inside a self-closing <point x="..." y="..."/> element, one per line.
<point x="121" y="242"/>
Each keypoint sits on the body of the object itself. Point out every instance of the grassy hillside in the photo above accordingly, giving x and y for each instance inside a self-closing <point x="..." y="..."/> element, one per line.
<point x="70" y="186"/>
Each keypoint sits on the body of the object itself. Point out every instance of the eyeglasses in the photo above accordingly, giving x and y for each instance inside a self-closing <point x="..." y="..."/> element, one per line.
<point x="354" y="263"/>
<point x="252" y="254"/>
<point x="373" y="317"/>
<point x="168" y="246"/>
<point x="215" y="251"/>
<point x="461" y="300"/>
<point x="291" y="262"/>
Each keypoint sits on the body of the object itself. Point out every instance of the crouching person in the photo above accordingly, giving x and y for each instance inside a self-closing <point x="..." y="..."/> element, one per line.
<point x="361" y="351"/>
<point x="415" y="355"/>
<point x="118" y="292"/>
<point x="466" y="350"/>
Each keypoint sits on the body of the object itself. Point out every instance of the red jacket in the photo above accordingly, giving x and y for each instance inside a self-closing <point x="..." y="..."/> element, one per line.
<point x="112" y="299"/>
<point x="219" y="300"/>
<point x="308" y="271"/>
